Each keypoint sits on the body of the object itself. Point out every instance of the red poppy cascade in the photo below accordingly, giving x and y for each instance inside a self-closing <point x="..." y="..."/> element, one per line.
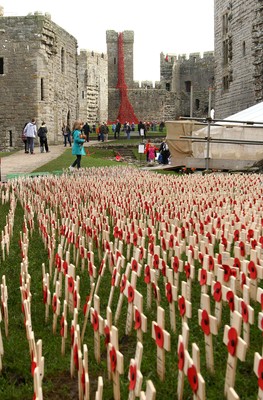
<point x="126" y="112"/>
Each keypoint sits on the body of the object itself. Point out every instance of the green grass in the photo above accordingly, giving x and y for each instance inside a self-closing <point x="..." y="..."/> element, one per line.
<point x="16" y="381"/>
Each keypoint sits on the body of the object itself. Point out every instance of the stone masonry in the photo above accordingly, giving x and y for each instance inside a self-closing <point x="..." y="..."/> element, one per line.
<point x="38" y="76"/>
<point x="238" y="54"/>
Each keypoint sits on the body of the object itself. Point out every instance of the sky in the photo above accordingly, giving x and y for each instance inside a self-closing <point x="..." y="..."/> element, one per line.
<point x="165" y="26"/>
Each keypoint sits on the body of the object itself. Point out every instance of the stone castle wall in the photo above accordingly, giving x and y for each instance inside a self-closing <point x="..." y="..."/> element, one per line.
<point x="235" y="67"/>
<point x="93" y="86"/>
<point x="39" y="76"/>
<point x="166" y="99"/>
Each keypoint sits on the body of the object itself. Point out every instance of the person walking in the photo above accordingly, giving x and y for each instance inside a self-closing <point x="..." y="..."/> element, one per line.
<point x="78" y="141"/>
<point x="31" y="132"/>
<point x="86" y="130"/>
<point x="117" y="130"/>
<point x="24" y="138"/>
<point x="42" y="134"/>
<point x="128" y="130"/>
<point x="66" y="134"/>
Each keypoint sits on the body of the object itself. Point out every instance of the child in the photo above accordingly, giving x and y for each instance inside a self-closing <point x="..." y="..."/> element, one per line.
<point x="151" y="153"/>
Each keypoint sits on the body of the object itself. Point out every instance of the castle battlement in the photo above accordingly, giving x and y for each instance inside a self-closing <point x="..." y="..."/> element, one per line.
<point x="91" y="53"/>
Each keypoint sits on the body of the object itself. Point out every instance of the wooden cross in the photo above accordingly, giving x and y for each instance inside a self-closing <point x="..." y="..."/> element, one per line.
<point x="38" y="393"/>
<point x="70" y="287"/>
<point x="150" y="393"/>
<point x="115" y="279"/>
<point x="56" y="306"/>
<point x="140" y="320"/>
<point x="75" y="344"/>
<point x="205" y="279"/>
<point x="181" y="349"/>
<point x="64" y="327"/>
<point x="217" y="294"/>
<point x="83" y="375"/>
<point x="123" y="284"/>
<point x="87" y="310"/>
<point x="162" y="340"/>
<point x="171" y="295"/>
<point x="97" y="323"/>
<point x="101" y="271"/>
<point x="135" y="376"/>
<point x="192" y="369"/>
<point x="184" y="306"/>
<point x="209" y="326"/>
<point x="115" y="362"/>
<point x="255" y="272"/>
<point x="99" y="392"/>
<point x="46" y="295"/>
<point x="247" y="313"/>
<point x="1" y="345"/>
<point x="130" y="293"/>
<point x="4" y="301"/>
<point x="258" y="369"/>
<point x="237" y="348"/>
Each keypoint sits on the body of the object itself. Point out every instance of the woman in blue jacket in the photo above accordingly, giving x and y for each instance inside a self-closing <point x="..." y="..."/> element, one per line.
<point x="78" y="141"/>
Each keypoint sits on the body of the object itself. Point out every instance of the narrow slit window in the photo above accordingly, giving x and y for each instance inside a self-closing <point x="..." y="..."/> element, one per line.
<point x="1" y="66"/>
<point x="42" y="88"/>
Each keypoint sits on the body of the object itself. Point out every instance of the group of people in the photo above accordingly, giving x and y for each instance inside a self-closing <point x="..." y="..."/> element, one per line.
<point x="151" y="152"/>
<point x="30" y="132"/>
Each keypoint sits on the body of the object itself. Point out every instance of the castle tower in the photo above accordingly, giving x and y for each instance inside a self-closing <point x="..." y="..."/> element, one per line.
<point x="112" y="51"/>
<point x="238" y="54"/>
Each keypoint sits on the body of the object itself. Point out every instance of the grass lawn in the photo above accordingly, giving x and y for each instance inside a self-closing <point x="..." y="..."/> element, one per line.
<point x="36" y="199"/>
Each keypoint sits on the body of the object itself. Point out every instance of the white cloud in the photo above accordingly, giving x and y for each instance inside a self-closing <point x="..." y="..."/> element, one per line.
<point x="168" y="26"/>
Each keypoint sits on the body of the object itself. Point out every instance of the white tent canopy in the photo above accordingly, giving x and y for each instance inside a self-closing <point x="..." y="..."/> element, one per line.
<point x="231" y="143"/>
<point x="251" y="114"/>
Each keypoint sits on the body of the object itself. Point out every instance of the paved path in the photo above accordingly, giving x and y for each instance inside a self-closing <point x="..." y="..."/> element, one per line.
<point x="19" y="162"/>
